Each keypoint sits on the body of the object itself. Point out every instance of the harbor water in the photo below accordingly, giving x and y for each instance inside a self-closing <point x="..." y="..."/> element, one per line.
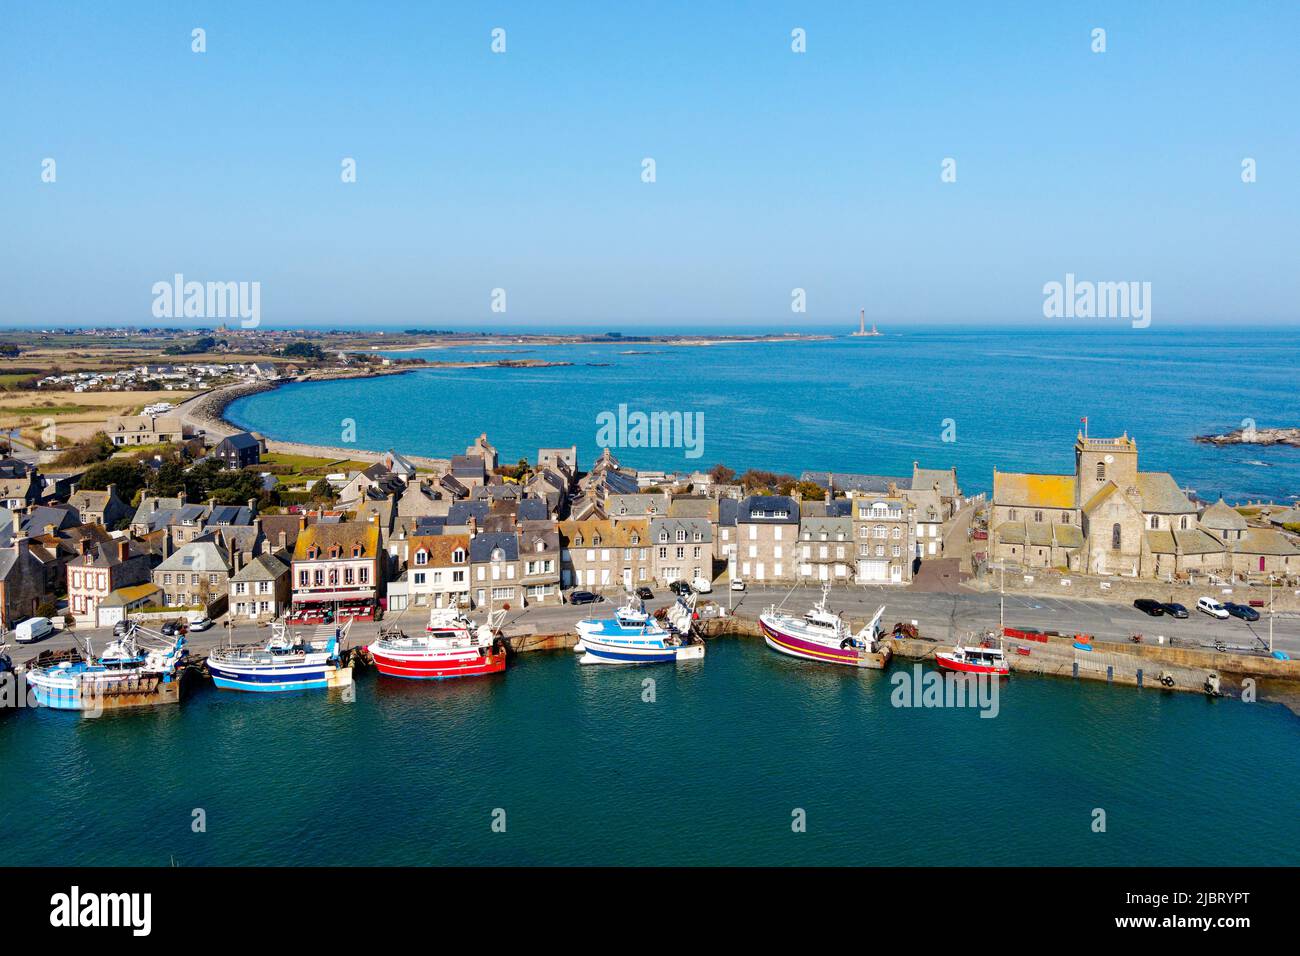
<point x="708" y="764"/>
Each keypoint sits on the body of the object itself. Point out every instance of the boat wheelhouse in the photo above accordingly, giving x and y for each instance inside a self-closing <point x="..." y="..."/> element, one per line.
<point x="984" y="658"/>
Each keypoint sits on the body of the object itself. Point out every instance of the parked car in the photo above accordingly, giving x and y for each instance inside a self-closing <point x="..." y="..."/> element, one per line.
<point x="1148" y="606"/>
<point x="737" y="584"/>
<point x="584" y="597"/>
<point x="202" y="624"/>
<point x="32" y="630"/>
<point x="172" y="628"/>
<point x="120" y="628"/>
<point x="644" y="593"/>
<point x="1174" y="609"/>
<point x="702" y="585"/>
<point x="680" y="588"/>
<point x="1209" y="606"/>
<point x="1242" y="611"/>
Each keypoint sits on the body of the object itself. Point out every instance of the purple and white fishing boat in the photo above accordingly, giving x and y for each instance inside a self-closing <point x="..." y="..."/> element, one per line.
<point x="822" y="635"/>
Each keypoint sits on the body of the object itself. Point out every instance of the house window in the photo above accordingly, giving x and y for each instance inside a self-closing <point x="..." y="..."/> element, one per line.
<point x="421" y="557"/>
<point x="1155" y="521"/>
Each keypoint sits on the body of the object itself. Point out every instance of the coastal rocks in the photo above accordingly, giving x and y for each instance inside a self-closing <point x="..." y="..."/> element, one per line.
<point x="1255" y="436"/>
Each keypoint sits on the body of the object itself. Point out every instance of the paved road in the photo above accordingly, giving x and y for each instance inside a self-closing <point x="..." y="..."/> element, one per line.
<point x="944" y="617"/>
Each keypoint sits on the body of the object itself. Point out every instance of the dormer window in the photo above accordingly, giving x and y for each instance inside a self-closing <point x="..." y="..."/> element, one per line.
<point x="595" y="540"/>
<point x="356" y="551"/>
<point x="636" y="538"/>
<point x="498" y="554"/>
<point x="313" y="553"/>
<point x="421" y="557"/>
<point x="458" y="556"/>
<point x="577" y="541"/>
<point x="663" y="537"/>
<point x="540" y="546"/>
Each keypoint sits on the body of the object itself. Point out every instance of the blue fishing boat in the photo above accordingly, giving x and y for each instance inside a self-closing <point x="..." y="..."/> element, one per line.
<point x="125" y="675"/>
<point x="633" y="636"/>
<point x="283" y="663"/>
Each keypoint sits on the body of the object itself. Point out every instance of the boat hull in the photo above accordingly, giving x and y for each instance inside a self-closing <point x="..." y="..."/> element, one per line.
<point x="965" y="667"/>
<point x="795" y="646"/>
<point x="613" y="652"/>
<point x="278" y="678"/>
<point x="415" y="667"/>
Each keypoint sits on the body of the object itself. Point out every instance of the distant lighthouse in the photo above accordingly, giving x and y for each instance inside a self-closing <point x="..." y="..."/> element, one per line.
<point x="862" y="326"/>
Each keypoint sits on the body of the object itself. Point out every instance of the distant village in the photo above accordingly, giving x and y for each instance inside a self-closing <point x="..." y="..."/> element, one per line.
<point x="473" y="531"/>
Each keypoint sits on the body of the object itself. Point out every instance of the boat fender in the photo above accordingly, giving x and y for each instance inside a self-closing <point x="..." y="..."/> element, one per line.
<point x="846" y="643"/>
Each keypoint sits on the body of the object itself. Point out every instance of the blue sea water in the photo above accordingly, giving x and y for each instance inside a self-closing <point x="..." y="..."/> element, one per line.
<point x="587" y="771"/>
<point x="1011" y="399"/>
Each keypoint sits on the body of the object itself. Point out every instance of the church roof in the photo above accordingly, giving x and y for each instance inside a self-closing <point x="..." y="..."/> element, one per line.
<point x="1033" y="491"/>
<point x="1160" y="493"/>
<point x="1220" y="517"/>
<point x="1265" y="541"/>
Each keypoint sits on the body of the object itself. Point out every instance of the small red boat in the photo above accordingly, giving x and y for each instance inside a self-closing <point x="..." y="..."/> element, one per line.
<point x="974" y="660"/>
<point x="451" y="647"/>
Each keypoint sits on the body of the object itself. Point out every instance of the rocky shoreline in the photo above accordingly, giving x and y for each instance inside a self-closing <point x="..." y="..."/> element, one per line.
<point x="1255" y="436"/>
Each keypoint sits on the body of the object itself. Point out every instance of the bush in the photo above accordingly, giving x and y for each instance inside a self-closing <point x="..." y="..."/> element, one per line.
<point x="47" y="610"/>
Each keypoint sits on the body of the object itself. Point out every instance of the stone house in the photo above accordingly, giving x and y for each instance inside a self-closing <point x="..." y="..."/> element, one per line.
<point x="198" y="574"/>
<point x="260" y="591"/>
<point x="767" y="536"/>
<point x="599" y="554"/>
<point x="826" y="548"/>
<point x="884" y="531"/>
<point x="147" y="429"/>
<point x="540" y="562"/>
<point x="23" y="585"/>
<point x="683" y="549"/>
<point x="101" y="507"/>
<point x="494" y="569"/>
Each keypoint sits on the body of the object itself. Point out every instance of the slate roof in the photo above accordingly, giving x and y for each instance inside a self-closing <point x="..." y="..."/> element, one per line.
<point x="727" y="510"/>
<point x="264" y="567"/>
<point x="481" y="546"/>
<point x="240" y="441"/>
<point x="1194" y="541"/>
<point x="925" y="479"/>
<point x="459" y="512"/>
<point x="36" y="521"/>
<point x="689" y="525"/>
<point x="198" y="557"/>
<point x="1220" y="517"/>
<point x="1160" y="493"/>
<point x="847" y="481"/>
<point x="763" y="509"/>
<point x="1265" y="541"/>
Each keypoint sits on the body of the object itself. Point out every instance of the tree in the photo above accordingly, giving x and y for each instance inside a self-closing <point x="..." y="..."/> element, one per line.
<point x="721" y="474"/>
<point x="169" y="480"/>
<point x="304" y="350"/>
<point x="128" y="476"/>
<point x="99" y="447"/>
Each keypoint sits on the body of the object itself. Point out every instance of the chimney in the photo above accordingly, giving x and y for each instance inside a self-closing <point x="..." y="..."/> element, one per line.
<point x="302" y="521"/>
<point x="112" y="490"/>
<point x="20" y="544"/>
<point x="153" y="505"/>
<point x="284" y="541"/>
<point x="212" y="502"/>
<point x="49" y="530"/>
<point x="252" y="506"/>
<point x="85" y="545"/>
<point x="473" y="526"/>
<point x="236" y="560"/>
<point x="123" y="549"/>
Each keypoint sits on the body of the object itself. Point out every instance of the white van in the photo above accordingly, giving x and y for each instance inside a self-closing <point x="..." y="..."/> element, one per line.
<point x="1212" y="608"/>
<point x="702" y="585"/>
<point x="33" y="629"/>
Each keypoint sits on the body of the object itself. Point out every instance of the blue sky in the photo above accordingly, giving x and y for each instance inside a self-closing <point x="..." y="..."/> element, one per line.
<point x="775" y="170"/>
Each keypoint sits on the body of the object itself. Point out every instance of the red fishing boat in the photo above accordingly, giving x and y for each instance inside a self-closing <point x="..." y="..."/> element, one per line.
<point x="450" y="647"/>
<point x="983" y="659"/>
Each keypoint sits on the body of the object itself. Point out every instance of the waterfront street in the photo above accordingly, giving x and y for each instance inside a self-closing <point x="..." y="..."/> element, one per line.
<point x="943" y="617"/>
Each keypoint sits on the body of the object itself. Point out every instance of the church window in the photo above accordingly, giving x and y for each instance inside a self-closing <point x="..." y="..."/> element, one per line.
<point x="1115" y="537"/>
<point x="1101" y="471"/>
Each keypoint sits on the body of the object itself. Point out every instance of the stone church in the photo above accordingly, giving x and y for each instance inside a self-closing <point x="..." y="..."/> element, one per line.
<point x="1109" y="518"/>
